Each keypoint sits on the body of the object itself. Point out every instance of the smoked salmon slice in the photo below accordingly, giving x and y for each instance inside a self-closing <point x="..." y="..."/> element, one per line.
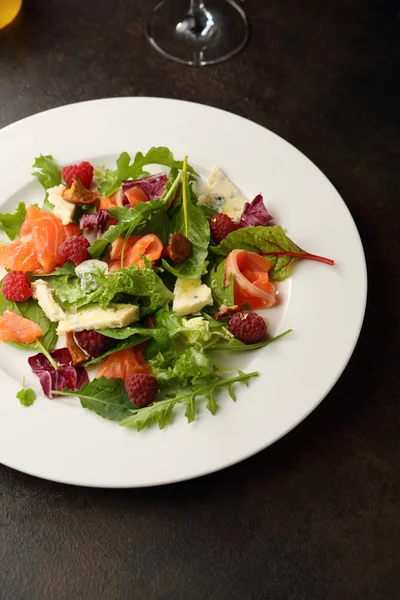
<point x="37" y="250"/>
<point x="14" y="328"/>
<point x="251" y="281"/>
<point x="123" y="363"/>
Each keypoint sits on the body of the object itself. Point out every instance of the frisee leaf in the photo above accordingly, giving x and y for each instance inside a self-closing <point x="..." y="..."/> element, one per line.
<point x="11" y="223"/>
<point x="161" y="413"/>
<point x="271" y="242"/>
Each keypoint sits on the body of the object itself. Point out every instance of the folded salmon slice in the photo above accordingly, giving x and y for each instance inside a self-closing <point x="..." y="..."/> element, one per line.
<point x="251" y="281"/>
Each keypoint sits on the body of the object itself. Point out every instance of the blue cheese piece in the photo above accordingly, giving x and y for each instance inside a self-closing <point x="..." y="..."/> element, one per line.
<point x="94" y="317"/>
<point x="190" y="296"/>
<point x="222" y="195"/>
<point x="44" y="295"/>
<point x="86" y="270"/>
<point x="62" y="209"/>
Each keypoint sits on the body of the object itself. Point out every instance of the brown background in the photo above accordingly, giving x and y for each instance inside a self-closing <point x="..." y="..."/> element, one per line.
<point x="317" y="515"/>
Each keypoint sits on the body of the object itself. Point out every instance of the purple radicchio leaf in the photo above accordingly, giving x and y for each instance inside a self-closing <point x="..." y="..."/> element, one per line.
<point x="96" y="222"/>
<point x="152" y="186"/>
<point x="255" y="213"/>
<point x="67" y="377"/>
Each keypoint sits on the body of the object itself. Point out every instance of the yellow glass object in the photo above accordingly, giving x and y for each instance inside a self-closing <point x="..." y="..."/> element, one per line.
<point x="8" y="11"/>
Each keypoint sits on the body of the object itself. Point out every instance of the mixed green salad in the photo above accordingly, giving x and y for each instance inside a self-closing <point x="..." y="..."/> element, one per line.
<point x="137" y="279"/>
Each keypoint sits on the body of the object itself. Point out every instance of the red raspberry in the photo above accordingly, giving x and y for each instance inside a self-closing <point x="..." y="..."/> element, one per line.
<point x="248" y="327"/>
<point x="221" y="225"/>
<point x="75" y="249"/>
<point x="84" y="171"/>
<point x="141" y="388"/>
<point x="16" y="287"/>
<point x="93" y="343"/>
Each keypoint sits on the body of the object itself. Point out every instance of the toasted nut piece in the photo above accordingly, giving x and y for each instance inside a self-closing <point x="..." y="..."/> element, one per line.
<point x="77" y="354"/>
<point x="179" y="248"/>
<point x="226" y="311"/>
<point x="78" y="194"/>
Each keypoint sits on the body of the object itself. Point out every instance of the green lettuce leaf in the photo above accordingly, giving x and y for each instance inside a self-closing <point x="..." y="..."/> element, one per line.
<point x="110" y="181"/>
<point x="48" y="173"/>
<point x="234" y="345"/>
<point x="182" y="368"/>
<point x="272" y="243"/>
<point x="131" y="281"/>
<point x="11" y="223"/>
<point x="199" y="236"/>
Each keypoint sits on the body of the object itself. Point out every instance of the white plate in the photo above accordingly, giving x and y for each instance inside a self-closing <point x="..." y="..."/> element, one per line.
<point x="324" y="305"/>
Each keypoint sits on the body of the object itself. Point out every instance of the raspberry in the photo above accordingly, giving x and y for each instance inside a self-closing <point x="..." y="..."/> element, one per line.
<point x="93" y="343"/>
<point x="84" y="172"/>
<point x="16" y="287"/>
<point x="75" y="249"/>
<point x="141" y="388"/>
<point x="221" y="225"/>
<point x="248" y="327"/>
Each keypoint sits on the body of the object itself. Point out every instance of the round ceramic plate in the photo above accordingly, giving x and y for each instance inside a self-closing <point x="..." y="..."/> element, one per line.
<point x="324" y="305"/>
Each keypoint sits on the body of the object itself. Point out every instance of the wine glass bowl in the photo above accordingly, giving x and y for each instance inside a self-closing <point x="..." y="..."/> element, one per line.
<point x="197" y="33"/>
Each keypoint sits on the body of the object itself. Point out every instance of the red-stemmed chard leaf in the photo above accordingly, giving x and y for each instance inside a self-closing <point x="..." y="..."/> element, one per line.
<point x="271" y="242"/>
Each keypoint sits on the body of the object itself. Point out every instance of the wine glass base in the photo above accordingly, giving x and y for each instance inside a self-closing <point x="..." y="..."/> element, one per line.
<point x="206" y="37"/>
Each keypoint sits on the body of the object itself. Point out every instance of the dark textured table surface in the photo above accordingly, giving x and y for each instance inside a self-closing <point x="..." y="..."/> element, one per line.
<point x="317" y="515"/>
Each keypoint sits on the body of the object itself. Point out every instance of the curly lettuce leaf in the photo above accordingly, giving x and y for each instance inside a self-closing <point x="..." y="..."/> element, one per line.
<point x="11" y="223"/>
<point x="130" y="281"/>
<point x="271" y="242"/>
<point x="48" y="173"/>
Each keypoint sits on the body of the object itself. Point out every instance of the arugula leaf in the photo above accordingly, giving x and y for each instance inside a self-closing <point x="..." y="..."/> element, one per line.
<point x="216" y="281"/>
<point x="234" y="345"/>
<point x="11" y="223"/>
<point x="31" y="310"/>
<point x="126" y="169"/>
<point x="272" y="243"/>
<point x="48" y="174"/>
<point x="198" y="234"/>
<point x="26" y="396"/>
<point x="105" y="396"/>
<point x="161" y="413"/>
